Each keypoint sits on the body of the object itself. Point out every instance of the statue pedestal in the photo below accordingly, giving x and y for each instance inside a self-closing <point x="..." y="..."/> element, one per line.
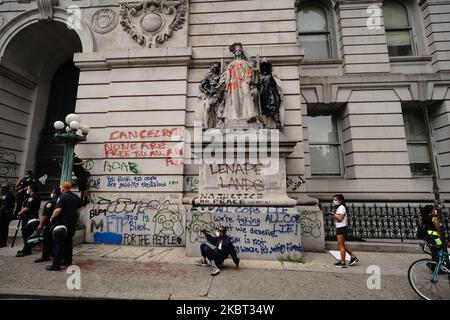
<point x="244" y="189"/>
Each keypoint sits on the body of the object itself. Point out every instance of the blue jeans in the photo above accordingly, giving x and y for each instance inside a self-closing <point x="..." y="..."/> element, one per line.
<point x="209" y="253"/>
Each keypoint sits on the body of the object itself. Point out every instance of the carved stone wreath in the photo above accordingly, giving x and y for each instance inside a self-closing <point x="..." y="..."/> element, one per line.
<point x="104" y="21"/>
<point x="151" y="22"/>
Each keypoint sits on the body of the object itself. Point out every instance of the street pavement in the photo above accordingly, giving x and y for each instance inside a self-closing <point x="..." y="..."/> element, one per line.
<point x="124" y="272"/>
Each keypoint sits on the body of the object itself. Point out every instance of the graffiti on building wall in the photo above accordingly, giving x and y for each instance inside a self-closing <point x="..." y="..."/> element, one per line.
<point x="294" y="183"/>
<point x="120" y="167"/>
<point x="8" y="166"/>
<point x="142" y="144"/>
<point x="191" y="184"/>
<point x="125" y="183"/>
<point x="132" y="219"/>
<point x="145" y="134"/>
<point x="254" y="230"/>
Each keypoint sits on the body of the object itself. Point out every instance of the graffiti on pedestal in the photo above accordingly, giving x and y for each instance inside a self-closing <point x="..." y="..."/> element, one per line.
<point x="259" y="231"/>
<point x="200" y="220"/>
<point x="311" y="224"/>
<point x="294" y="183"/>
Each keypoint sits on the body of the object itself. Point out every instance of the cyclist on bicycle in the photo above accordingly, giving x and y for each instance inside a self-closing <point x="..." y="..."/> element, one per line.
<point x="430" y="221"/>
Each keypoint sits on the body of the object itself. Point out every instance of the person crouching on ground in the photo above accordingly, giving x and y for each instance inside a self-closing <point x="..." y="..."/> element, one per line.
<point x="340" y="217"/>
<point x="223" y="249"/>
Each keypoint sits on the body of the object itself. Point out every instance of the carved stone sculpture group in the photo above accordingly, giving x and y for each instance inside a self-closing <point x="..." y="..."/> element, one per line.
<point x="244" y="91"/>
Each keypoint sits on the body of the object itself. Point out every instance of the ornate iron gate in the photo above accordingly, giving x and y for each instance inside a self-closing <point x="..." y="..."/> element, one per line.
<point x="380" y="222"/>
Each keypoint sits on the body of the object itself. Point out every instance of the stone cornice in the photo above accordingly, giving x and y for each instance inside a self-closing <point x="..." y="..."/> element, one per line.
<point x="133" y="57"/>
<point x="420" y="88"/>
<point x="276" y="54"/>
<point x="355" y="4"/>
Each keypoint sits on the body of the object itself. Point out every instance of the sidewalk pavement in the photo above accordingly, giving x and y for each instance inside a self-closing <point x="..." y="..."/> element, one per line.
<point x="124" y="272"/>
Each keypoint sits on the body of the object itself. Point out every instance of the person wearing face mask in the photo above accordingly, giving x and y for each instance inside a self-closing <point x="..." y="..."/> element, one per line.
<point x="340" y="217"/>
<point x="7" y="203"/>
<point x="30" y="211"/>
<point x="45" y="226"/>
<point x="223" y="249"/>
<point x="21" y="188"/>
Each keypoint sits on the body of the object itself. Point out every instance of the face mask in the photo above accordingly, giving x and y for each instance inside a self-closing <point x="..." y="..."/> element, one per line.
<point x="335" y="202"/>
<point x="27" y="176"/>
<point x="217" y="234"/>
<point x="53" y="196"/>
<point x="28" y="192"/>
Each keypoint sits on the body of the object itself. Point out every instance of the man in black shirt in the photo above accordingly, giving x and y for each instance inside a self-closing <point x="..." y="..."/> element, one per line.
<point x="7" y="203"/>
<point x="82" y="178"/>
<point x="45" y="226"/>
<point x="29" y="211"/>
<point x="22" y="187"/>
<point x="223" y="249"/>
<point x="66" y="214"/>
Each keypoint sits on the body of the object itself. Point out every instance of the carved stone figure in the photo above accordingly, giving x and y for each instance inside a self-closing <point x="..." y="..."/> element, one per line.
<point x="271" y="96"/>
<point x="211" y="99"/>
<point x="239" y="83"/>
<point x="242" y="95"/>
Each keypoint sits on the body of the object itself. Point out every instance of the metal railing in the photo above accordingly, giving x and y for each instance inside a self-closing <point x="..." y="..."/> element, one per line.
<point x="380" y="222"/>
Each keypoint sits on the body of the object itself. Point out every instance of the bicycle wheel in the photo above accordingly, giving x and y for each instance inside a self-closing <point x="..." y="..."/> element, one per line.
<point x="419" y="276"/>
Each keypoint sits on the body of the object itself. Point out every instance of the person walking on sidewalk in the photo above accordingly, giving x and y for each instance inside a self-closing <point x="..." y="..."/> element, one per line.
<point x="64" y="220"/>
<point x="223" y="249"/>
<point x="340" y="217"/>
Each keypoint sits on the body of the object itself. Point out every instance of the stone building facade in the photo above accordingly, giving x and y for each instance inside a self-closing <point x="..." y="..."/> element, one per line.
<point x="366" y="97"/>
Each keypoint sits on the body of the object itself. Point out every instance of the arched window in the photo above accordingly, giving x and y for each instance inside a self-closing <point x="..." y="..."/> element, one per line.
<point x="398" y="29"/>
<point x="314" y="32"/>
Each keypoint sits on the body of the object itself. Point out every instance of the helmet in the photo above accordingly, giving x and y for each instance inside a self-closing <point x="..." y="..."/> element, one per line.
<point x="35" y="238"/>
<point x="59" y="233"/>
<point x="31" y="225"/>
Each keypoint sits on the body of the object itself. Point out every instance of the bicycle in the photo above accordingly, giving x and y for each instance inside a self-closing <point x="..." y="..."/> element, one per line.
<point x="430" y="278"/>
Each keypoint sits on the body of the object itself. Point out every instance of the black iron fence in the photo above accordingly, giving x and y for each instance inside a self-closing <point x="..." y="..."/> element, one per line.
<point x="380" y="222"/>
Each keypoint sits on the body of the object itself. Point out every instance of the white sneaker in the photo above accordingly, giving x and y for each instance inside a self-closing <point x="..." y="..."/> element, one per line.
<point x="215" y="271"/>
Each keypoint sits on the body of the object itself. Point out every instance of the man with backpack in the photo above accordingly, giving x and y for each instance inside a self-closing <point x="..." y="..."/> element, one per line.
<point x="431" y="227"/>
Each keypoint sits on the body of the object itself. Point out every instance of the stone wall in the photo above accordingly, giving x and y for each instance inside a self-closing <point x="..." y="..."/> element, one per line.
<point x="139" y="100"/>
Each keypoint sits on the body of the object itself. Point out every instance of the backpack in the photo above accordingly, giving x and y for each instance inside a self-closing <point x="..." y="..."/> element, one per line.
<point x="421" y="232"/>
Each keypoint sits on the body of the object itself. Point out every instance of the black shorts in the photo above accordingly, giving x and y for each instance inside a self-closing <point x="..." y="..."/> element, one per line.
<point x="342" y="230"/>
